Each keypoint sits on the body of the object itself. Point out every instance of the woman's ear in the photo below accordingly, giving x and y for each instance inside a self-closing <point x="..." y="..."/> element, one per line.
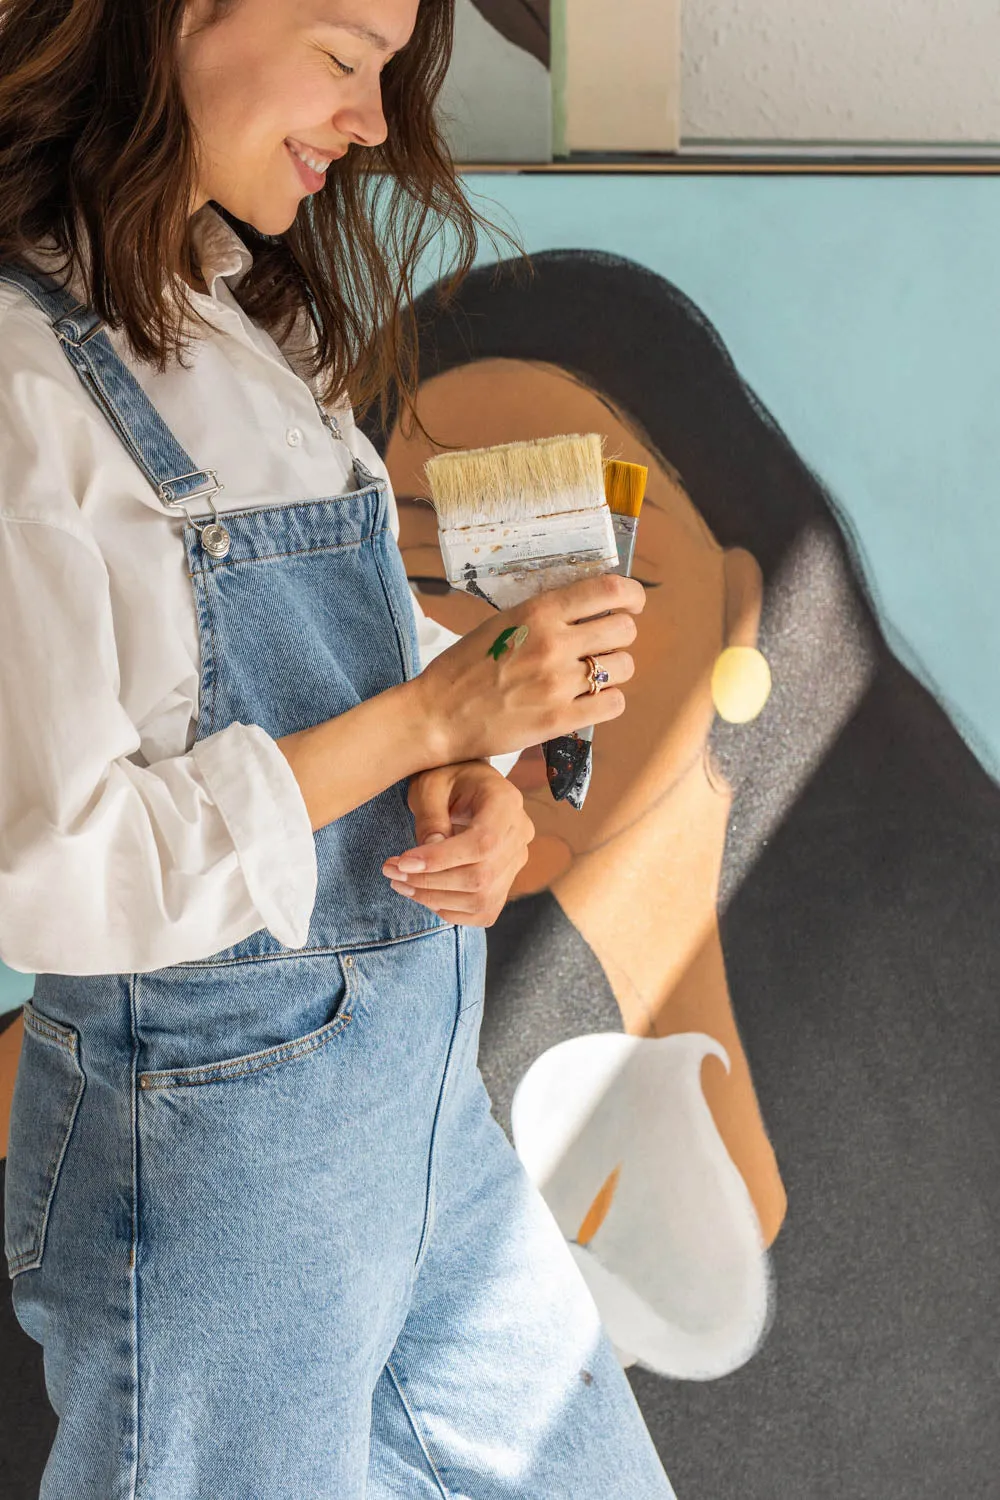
<point x="744" y="594"/>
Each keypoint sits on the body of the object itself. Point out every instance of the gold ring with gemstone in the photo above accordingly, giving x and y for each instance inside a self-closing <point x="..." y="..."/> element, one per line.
<point x="596" y="676"/>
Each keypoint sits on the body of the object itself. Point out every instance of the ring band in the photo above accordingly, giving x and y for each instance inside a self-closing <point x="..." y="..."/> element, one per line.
<point x="596" y="676"/>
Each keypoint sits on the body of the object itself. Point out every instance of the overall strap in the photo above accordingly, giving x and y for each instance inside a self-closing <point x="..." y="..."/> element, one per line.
<point x="169" y="469"/>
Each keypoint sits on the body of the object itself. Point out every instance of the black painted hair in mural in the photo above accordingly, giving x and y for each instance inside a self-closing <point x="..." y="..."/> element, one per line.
<point x="633" y="337"/>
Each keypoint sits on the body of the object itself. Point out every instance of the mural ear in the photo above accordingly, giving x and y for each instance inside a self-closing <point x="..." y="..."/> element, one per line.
<point x="743" y="589"/>
<point x="523" y="22"/>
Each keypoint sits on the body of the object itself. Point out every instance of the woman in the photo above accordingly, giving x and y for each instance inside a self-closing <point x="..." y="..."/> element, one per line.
<point x="256" y="1210"/>
<point x="810" y="893"/>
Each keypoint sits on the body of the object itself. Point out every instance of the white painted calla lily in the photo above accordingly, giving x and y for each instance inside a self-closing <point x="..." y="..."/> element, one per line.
<point x="616" y="1133"/>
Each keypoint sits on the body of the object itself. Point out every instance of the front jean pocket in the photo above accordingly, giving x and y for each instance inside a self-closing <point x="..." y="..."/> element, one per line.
<point x="299" y="991"/>
<point x="47" y="1093"/>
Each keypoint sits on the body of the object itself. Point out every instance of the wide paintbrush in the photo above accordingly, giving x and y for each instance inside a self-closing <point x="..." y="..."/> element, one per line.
<point x="516" y="519"/>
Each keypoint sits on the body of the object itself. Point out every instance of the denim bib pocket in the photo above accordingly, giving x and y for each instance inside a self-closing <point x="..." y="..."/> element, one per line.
<point x="313" y="995"/>
<point x="47" y="1093"/>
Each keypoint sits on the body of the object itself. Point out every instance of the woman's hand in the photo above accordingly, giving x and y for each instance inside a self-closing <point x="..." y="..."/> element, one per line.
<point x="475" y="703"/>
<point x="472" y="839"/>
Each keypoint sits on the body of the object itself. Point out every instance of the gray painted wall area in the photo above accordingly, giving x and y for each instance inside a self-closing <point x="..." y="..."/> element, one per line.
<point x="496" y="103"/>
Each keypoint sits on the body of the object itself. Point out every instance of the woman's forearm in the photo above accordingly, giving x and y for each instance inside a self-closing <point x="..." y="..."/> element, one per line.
<point x="343" y="762"/>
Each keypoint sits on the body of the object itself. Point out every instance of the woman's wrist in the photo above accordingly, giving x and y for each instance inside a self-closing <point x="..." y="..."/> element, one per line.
<point x="429" y="730"/>
<point x="343" y="762"/>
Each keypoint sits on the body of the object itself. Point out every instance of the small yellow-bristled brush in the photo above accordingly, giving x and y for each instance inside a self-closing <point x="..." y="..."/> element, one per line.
<point x="569" y="758"/>
<point x="625" y="488"/>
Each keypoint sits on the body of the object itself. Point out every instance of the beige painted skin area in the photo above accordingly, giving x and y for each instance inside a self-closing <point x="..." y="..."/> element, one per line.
<point x="637" y="870"/>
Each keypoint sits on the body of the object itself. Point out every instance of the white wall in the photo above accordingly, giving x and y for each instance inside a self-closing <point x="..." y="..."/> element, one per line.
<point x="841" y="70"/>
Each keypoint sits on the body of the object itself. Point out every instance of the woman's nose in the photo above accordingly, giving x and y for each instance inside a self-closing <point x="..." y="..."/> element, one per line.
<point x="363" y="120"/>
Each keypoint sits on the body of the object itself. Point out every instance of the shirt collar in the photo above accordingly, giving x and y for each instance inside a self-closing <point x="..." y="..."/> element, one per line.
<point x="219" y="250"/>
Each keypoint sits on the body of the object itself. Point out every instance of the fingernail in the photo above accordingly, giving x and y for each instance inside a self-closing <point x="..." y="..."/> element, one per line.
<point x="409" y="865"/>
<point x="404" y="890"/>
<point x="434" y="838"/>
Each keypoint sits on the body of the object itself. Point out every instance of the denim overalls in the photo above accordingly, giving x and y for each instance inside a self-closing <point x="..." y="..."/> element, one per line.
<point x="258" y="1214"/>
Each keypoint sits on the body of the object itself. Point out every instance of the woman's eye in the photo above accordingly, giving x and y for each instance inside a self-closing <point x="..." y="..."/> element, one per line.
<point x="342" y="66"/>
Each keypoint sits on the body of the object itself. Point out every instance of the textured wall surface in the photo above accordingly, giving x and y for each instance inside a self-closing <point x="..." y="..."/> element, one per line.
<point x="857" y="70"/>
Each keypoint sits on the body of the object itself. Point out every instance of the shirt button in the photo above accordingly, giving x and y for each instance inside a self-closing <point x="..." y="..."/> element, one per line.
<point x="293" y="437"/>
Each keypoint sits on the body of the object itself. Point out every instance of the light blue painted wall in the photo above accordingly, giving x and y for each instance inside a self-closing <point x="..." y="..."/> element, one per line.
<point x="865" y="313"/>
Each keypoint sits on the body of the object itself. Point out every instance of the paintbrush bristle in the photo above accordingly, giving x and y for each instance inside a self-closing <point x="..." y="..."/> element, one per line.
<point x="517" y="481"/>
<point x="625" y="486"/>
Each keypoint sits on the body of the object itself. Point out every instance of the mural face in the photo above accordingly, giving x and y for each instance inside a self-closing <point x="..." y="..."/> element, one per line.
<point x="642" y="857"/>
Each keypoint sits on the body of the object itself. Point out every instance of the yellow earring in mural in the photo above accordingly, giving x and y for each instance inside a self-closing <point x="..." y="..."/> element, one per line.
<point x="741" y="684"/>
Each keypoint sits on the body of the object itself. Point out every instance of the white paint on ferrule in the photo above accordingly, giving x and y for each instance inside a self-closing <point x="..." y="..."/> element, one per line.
<point x="500" y="547"/>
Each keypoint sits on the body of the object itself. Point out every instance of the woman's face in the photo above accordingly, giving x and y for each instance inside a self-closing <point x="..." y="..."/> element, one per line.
<point x="682" y="630"/>
<point x="269" y="72"/>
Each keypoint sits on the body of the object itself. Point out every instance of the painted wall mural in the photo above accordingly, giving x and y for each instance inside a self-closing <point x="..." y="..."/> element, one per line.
<point x="741" y="1019"/>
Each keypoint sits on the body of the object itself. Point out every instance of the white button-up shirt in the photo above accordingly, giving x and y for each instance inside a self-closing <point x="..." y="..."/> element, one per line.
<point x="125" y="846"/>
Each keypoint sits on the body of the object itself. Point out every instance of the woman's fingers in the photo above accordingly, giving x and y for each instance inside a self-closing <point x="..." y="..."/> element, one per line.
<point x="465" y="878"/>
<point x="610" y="633"/>
<point x="481" y="899"/>
<point x="473" y="845"/>
<point x="468" y="893"/>
<point x="592" y="596"/>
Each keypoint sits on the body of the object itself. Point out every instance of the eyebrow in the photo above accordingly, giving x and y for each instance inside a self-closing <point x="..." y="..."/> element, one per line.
<point x="364" y="32"/>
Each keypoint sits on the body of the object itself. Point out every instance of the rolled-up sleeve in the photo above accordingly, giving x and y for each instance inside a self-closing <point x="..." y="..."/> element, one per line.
<point x="108" y="866"/>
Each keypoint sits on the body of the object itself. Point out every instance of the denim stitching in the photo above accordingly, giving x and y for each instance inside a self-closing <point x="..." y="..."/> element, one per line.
<point x="93" y="377"/>
<point x="214" y="678"/>
<point x="63" y="1037"/>
<point x="183" y="1078"/>
<point x="134" y="1248"/>
<point x="31" y="1257"/>
<point x="404" y="649"/>
<point x="243" y="562"/>
<point x="208" y="673"/>
<point x="416" y="1431"/>
<point x="430" y="1204"/>
<point x="264" y="958"/>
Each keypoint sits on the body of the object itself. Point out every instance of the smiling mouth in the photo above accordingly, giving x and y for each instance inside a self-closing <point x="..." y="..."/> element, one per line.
<point x="301" y="150"/>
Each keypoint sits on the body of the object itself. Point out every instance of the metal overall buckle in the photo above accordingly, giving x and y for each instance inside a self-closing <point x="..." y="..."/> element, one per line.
<point x="213" y="536"/>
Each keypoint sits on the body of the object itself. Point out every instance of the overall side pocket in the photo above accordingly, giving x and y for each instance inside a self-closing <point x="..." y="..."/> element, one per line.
<point x="259" y="1004"/>
<point x="47" y="1092"/>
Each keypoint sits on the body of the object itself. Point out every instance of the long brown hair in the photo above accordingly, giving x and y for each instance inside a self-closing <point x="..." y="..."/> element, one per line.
<point x="93" y="130"/>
